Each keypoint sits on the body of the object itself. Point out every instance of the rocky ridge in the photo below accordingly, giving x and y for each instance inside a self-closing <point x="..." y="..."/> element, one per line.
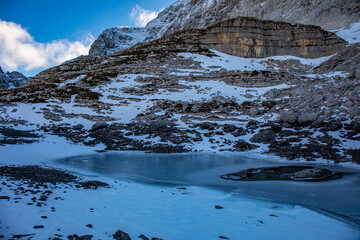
<point x="11" y="79"/>
<point x="116" y="39"/>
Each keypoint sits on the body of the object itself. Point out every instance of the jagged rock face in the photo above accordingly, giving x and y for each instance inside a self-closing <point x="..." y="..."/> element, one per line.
<point x="190" y="14"/>
<point x="193" y="14"/>
<point x="250" y="37"/>
<point x="116" y="39"/>
<point x="11" y="79"/>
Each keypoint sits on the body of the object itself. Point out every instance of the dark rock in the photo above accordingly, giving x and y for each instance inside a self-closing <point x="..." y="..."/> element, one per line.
<point x="218" y="207"/>
<point x="99" y="125"/>
<point x="306" y="119"/>
<point x="120" y="235"/>
<point x="222" y="237"/>
<point x="155" y="238"/>
<point x="78" y="127"/>
<point x="335" y="126"/>
<point x="43" y="198"/>
<point x="143" y="237"/>
<point x="288" y="117"/>
<point x="317" y="124"/>
<point x="295" y="173"/>
<point x="22" y="235"/>
<point x="37" y="174"/>
<point x="5" y="197"/>
<point x="89" y="225"/>
<point x="312" y="174"/>
<point x="355" y="154"/>
<point x="239" y="132"/>
<point x="38" y="226"/>
<point x="85" y="237"/>
<point x="208" y="134"/>
<point x="76" y="237"/>
<point x="276" y="128"/>
<point x="264" y="136"/>
<point x="198" y="138"/>
<point x="273" y="215"/>
<point x="252" y="124"/>
<point x="93" y="184"/>
<point x="241" y="145"/>
<point x="207" y="125"/>
<point x="228" y="128"/>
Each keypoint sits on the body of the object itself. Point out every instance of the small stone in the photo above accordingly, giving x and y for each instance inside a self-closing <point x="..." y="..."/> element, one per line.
<point x="89" y="225"/>
<point x="143" y="237"/>
<point x="5" y="197"/>
<point x="38" y="226"/>
<point x="222" y="237"/>
<point x="43" y="198"/>
<point x="218" y="207"/>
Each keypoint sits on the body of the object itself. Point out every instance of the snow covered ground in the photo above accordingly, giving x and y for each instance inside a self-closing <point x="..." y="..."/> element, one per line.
<point x="350" y="34"/>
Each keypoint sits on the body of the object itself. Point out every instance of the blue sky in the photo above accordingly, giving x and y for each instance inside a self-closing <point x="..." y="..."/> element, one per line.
<point x="50" y="24"/>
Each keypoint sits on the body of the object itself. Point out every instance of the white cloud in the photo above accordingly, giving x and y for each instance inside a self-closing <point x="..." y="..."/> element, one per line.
<point x="141" y="16"/>
<point x="18" y="49"/>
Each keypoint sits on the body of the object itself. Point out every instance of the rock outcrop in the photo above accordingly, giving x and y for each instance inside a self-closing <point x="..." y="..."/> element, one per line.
<point x="294" y="173"/>
<point x="11" y="79"/>
<point x="250" y="37"/>
<point x="116" y="39"/>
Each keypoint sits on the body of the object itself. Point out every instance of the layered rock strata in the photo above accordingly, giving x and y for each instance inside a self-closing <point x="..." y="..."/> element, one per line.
<point x="250" y="37"/>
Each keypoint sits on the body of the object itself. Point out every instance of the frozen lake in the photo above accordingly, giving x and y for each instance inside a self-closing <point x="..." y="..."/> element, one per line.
<point x="339" y="197"/>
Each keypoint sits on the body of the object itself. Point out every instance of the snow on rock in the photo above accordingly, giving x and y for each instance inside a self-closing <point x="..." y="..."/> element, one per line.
<point x="116" y="39"/>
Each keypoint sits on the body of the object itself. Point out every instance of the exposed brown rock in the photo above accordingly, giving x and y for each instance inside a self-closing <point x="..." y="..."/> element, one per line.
<point x="251" y="37"/>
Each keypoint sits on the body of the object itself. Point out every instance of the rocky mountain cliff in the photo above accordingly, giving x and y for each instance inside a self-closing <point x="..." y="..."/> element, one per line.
<point x="254" y="38"/>
<point x="11" y="79"/>
<point x="116" y="39"/>
<point x="192" y="14"/>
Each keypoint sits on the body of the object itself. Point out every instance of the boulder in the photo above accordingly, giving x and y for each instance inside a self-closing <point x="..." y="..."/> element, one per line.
<point x="99" y="125"/>
<point x="264" y="136"/>
<point x="228" y="128"/>
<point x="288" y="117"/>
<point x="120" y="235"/>
<point x="306" y="119"/>
<point x="242" y="145"/>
